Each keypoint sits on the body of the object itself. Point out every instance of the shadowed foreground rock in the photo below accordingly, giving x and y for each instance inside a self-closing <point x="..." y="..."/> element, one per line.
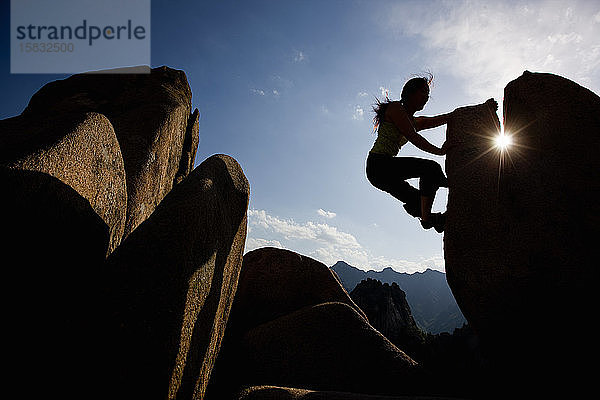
<point x="293" y="324"/>
<point x="53" y="251"/>
<point x="327" y="347"/>
<point x="152" y="117"/>
<point x="171" y="283"/>
<point x="519" y="236"/>
<point x="286" y="393"/>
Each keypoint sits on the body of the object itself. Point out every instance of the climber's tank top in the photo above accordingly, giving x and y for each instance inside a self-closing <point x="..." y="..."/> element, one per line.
<point x="389" y="139"/>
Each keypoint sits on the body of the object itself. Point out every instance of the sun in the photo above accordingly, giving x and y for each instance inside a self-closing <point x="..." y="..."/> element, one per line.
<point x="503" y="141"/>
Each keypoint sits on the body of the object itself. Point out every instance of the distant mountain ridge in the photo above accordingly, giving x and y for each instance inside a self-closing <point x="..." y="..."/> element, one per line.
<point x="432" y="304"/>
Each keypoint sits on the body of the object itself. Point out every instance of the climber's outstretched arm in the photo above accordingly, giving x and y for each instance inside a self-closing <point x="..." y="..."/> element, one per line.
<point x="431" y="122"/>
<point x="401" y="119"/>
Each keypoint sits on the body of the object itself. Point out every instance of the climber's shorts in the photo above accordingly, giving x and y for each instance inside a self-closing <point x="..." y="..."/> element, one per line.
<point x="389" y="174"/>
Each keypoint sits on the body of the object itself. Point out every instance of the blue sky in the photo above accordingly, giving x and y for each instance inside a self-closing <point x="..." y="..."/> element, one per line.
<point x="286" y="88"/>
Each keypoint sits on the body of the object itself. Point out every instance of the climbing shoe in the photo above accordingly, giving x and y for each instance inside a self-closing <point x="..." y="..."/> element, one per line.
<point x="436" y="221"/>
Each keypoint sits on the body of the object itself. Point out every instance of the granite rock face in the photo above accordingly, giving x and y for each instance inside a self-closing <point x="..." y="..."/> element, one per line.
<point x="146" y="322"/>
<point x="123" y="261"/>
<point x="473" y="214"/>
<point x="79" y="149"/>
<point x="171" y="283"/>
<point x="521" y="223"/>
<point x="152" y="117"/>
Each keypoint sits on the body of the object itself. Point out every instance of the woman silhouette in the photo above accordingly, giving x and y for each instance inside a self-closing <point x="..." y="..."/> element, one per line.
<point x="397" y="126"/>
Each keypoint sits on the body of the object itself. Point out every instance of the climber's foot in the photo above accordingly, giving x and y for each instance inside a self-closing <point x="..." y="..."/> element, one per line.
<point x="436" y="221"/>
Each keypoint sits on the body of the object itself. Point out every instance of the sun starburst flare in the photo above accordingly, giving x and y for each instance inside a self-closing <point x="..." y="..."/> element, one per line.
<point x="503" y="141"/>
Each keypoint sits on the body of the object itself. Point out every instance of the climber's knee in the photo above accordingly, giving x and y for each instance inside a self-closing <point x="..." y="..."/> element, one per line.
<point x="432" y="180"/>
<point x="413" y="209"/>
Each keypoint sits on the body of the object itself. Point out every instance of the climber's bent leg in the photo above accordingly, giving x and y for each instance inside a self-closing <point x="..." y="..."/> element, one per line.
<point x="432" y="178"/>
<point x="385" y="173"/>
<point x="389" y="174"/>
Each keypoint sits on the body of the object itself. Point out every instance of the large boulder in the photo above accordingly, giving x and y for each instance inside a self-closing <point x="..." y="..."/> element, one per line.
<point x="170" y="286"/>
<point x="79" y="149"/>
<point x="472" y="216"/>
<point x="521" y="224"/>
<point x="266" y="392"/>
<point x="275" y="282"/>
<point x="152" y="117"/>
<point x="292" y="323"/>
<point x="329" y="346"/>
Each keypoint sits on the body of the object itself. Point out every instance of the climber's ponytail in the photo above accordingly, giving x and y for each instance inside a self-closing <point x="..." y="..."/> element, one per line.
<point x="379" y="110"/>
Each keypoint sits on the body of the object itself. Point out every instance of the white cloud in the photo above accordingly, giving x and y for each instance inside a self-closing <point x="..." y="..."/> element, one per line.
<point x="299" y="56"/>
<point x="487" y="44"/>
<point x="280" y="82"/>
<point x="276" y="86"/>
<point x="385" y="92"/>
<point x="325" y="243"/>
<point x="358" y="114"/>
<point x="254" y="243"/>
<point x="362" y="94"/>
<point x="291" y="230"/>
<point x="326" y="214"/>
<point x="287" y="228"/>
